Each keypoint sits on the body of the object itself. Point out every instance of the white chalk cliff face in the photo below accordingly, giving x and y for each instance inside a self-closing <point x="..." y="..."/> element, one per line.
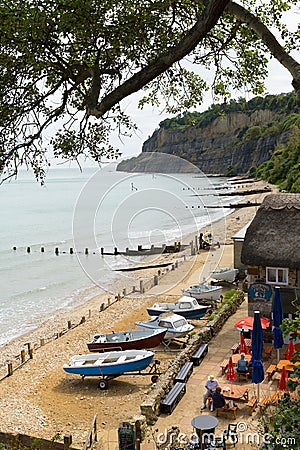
<point x="225" y="146"/>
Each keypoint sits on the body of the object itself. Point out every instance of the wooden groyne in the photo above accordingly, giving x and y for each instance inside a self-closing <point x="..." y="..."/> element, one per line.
<point x="153" y="250"/>
<point x="235" y="205"/>
<point x="245" y="192"/>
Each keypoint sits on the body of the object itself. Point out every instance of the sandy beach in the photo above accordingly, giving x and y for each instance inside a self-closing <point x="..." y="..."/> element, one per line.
<point x="40" y="399"/>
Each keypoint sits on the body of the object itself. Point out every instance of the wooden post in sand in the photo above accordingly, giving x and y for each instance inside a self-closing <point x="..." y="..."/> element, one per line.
<point x="69" y="324"/>
<point x="155" y="280"/>
<point x="124" y="292"/>
<point x="108" y="301"/>
<point x="67" y="441"/>
<point x="82" y="319"/>
<point x="119" y="297"/>
<point x="42" y="342"/>
<point x="23" y="356"/>
<point x="142" y="289"/>
<point x="9" y="369"/>
<point x="28" y="346"/>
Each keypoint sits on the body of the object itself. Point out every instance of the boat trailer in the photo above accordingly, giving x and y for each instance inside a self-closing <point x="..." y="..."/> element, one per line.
<point x="153" y="370"/>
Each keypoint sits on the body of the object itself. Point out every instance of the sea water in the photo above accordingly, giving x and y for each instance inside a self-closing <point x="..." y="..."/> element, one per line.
<point x="86" y="211"/>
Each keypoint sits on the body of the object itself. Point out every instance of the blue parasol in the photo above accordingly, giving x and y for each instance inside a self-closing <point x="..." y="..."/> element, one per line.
<point x="277" y="321"/>
<point x="258" y="374"/>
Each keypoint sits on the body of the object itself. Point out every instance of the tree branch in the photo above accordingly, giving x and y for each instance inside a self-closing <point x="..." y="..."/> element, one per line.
<point x="270" y="41"/>
<point x="204" y="24"/>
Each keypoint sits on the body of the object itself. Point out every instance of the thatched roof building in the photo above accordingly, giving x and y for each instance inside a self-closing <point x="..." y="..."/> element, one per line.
<point x="273" y="237"/>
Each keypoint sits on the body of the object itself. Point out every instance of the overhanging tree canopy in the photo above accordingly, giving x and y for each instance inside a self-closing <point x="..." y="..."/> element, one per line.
<point x="71" y="62"/>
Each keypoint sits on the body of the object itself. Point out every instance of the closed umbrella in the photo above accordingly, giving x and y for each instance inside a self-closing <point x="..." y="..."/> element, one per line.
<point x="283" y="379"/>
<point x="258" y="374"/>
<point x="277" y="321"/>
<point x="230" y="375"/>
<point x="290" y="351"/>
<point x="243" y="346"/>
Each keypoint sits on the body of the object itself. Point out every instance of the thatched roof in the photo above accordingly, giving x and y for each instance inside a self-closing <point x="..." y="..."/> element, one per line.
<point x="273" y="237"/>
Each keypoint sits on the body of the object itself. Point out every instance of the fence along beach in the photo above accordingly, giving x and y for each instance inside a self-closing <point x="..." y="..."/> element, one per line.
<point x="39" y="399"/>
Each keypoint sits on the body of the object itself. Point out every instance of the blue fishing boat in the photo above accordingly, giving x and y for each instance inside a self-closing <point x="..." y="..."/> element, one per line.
<point x="186" y="306"/>
<point x="109" y="363"/>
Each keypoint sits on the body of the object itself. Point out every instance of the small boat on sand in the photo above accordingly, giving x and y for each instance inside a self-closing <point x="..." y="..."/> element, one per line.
<point x="176" y="325"/>
<point x="203" y="291"/>
<point x="186" y="306"/>
<point x="127" y="340"/>
<point x="228" y="274"/>
<point x="110" y="363"/>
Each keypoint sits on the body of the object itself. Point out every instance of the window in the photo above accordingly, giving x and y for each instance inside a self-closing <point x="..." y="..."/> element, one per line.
<point x="276" y="275"/>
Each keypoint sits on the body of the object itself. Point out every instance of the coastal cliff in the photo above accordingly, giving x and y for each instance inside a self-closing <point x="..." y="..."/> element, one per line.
<point x="230" y="144"/>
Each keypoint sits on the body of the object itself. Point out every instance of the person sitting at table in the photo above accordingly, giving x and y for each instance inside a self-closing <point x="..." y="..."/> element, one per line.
<point x="242" y="364"/>
<point x="210" y="385"/>
<point x="218" y="399"/>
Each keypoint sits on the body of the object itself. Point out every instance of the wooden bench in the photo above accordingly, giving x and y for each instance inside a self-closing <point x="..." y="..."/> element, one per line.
<point x="199" y="354"/>
<point x="264" y="402"/>
<point x="270" y="371"/>
<point x="184" y="373"/>
<point x="267" y="352"/>
<point x="224" y="365"/>
<point x="173" y="397"/>
<point x="235" y="348"/>
<point x="252" y="403"/>
<point x="227" y="410"/>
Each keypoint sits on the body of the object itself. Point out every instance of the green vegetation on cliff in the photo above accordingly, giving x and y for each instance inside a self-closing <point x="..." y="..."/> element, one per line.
<point x="283" y="169"/>
<point x="283" y="104"/>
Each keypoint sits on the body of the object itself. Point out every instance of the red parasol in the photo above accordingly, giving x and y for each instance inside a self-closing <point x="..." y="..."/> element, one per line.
<point x="230" y="375"/>
<point x="283" y="380"/>
<point x="290" y="351"/>
<point x="246" y="323"/>
<point x="243" y="346"/>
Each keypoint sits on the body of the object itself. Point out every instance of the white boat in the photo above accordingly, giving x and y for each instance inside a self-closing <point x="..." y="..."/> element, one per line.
<point x="203" y="291"/>
<point x="176" y="325"/>
<point x="227" y="274"/>
<point x="186" y="306"/>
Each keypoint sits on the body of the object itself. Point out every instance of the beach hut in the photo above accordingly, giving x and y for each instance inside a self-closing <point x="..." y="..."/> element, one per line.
<point x="271" y="253"/>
